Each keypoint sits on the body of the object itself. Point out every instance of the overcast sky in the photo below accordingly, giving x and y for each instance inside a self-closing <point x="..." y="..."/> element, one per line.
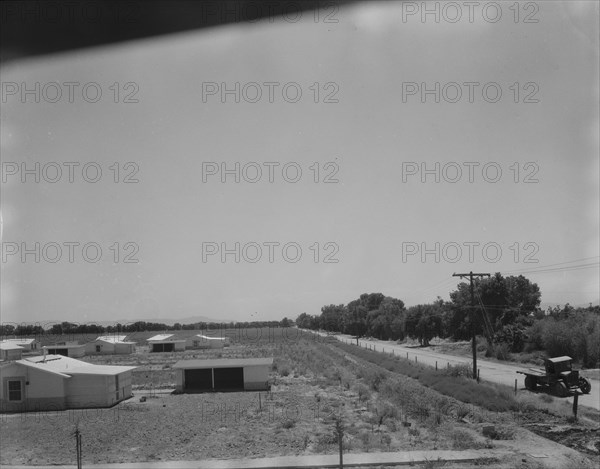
<point x="374" y="62"/>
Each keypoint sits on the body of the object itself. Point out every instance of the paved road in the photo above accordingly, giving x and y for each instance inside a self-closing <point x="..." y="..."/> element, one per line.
<point x="309" y="461"/>
<point x="488" y="370"/>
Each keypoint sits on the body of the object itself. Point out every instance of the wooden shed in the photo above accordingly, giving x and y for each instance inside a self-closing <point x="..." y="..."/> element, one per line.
<point x="223" y="374"/>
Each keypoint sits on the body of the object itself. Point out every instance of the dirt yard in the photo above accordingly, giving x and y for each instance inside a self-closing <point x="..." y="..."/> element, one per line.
<point x="314" y="383"/>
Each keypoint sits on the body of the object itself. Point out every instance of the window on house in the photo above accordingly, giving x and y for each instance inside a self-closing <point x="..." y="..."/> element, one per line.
<point x="98" y="348"/>
<point x="14" y="390"/>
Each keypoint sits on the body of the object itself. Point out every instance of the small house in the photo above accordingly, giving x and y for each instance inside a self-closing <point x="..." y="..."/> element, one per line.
<point x="10" y="351"/>
<point x="223" y="374"/>
<point x="166" y="343"/>
<point x="109" y="345"/>
<point x="56" y="382"/>
<point x="67" y="349"/>
<point x="28" y="345"/>
<point x="200" y="341"/>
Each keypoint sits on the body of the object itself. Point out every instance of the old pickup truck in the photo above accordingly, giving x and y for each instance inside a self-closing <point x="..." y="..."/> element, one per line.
<point x="558" y="378"/>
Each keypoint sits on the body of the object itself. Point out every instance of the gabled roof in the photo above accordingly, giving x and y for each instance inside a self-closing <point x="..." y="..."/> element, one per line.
<point x="9" y="346"/>
<point x="63" y="346"/>
<point x="160" y="337"/>
<point x="164" y="338"/>
<point x="203" y="337"/>
<point x="223" y="363"/>
<point x="114" y="339"/>
<point x="564" y="358"/>
<point x="66" y="366"/>
<point x="25" y="341"/>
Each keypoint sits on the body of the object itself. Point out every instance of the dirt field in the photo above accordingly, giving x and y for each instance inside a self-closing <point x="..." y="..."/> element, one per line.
<point x="314" y="382"/>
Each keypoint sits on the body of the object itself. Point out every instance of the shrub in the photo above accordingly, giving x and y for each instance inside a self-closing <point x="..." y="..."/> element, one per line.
<point x="462" y="439"/>
<point x="288" y="423"/>
<point x="390" y="424"/>
<point x="365" y="439"/>
<point x="462" y="369"/>
<point x="386" y="440"/>
<point x="363" y="392"/>
<point x="502" y="351"/>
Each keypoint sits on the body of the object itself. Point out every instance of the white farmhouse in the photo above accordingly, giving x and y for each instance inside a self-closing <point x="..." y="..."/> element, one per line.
<point x="110" y="344"/>
<point x="56" y="382"/>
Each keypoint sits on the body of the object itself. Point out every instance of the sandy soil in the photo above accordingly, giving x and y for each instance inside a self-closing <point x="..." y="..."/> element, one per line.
<point x="297" y="417"/>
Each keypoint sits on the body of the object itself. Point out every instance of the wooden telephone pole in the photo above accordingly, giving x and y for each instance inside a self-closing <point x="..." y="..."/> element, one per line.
<point x="470" y="275"/>
<point x="77" y="435"/>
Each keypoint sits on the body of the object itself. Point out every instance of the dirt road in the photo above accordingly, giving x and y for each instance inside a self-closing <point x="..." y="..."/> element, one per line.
<point x="490" y="371"/>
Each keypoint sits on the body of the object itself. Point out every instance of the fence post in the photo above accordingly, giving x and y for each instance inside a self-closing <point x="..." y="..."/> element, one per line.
<point x="575" y="399"/>
<point x="478" y="375"/>
<point x="407" y="355"/>
<point x="515" y="386"/>
<point x="415" y="359"/>
<point x="436" y="365"/>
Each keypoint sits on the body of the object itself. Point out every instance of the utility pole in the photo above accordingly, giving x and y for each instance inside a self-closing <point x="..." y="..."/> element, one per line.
<point x="339" y="432"/>
<point x="470" y="275"/>
<point x="77" y="435"/>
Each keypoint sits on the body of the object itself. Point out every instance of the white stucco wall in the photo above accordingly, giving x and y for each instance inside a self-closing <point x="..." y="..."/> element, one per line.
<point x="256" y="377"/>
<point x="88" y="390"/>
<point x="41" y="390"/>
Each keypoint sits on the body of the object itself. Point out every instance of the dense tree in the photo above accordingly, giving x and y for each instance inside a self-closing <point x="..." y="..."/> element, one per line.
<point x="332" y="317"/>
<point x="424" y="322"/>
<point x="285" y="322"/>
<point x="355" y="321"/>
<point x="499" y="302"/>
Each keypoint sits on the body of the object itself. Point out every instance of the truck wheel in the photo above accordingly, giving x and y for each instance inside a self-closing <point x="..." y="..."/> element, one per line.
<point x="530" y="383"/>
<point x="585" y="385"/>
<point x="559" y="389"/>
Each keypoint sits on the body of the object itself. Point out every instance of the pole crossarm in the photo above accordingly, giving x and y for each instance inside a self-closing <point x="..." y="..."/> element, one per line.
<point x="470" y="276"/>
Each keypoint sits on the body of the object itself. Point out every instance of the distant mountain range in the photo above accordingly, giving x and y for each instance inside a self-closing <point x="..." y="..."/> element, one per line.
<point x="167" y="321"/>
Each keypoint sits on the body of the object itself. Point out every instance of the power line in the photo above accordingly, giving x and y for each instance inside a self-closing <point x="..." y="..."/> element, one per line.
<point x="554" y="265"/>
<point x="470" y="275"/>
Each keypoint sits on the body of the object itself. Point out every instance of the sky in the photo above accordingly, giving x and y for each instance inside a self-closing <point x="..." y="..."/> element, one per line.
<point x="366" y="213"/>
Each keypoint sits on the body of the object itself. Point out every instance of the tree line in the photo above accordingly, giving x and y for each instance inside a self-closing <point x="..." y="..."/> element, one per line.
<point x="506" y="314"/>
<point x="71" y="328"/>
